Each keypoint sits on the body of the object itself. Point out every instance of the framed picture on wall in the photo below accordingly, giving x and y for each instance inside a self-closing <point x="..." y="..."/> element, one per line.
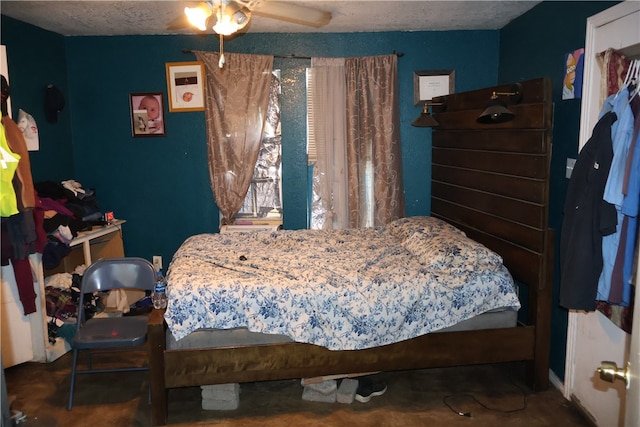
<point x="185" y="86"/>
<point x="147" y="114"/>
<point x="430" y="84"/>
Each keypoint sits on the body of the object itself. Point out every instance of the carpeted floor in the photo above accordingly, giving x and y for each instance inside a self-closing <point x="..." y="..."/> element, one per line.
<point x="491" y="395"/>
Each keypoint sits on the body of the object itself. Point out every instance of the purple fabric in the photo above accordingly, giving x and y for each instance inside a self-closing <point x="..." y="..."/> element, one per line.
<point x="24" y="280"/>
<point x="54" y="205"/>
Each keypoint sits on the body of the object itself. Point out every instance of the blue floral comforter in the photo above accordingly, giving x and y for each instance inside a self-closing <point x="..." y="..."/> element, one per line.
<point x="342" y="289"/>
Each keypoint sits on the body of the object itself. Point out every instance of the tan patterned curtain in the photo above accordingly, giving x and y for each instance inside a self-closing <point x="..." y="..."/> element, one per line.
<point x="376" y="194"/>
<point x="236" y="101"/>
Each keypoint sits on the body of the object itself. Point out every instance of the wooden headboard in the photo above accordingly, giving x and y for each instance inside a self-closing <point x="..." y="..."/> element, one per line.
<point x="492" y="181"/>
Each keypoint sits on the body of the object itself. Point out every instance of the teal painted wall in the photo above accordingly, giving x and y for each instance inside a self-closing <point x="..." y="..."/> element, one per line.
<point x="161" y="185"/>
<point x="37" y="58"/>
<point x="527" y="52"/>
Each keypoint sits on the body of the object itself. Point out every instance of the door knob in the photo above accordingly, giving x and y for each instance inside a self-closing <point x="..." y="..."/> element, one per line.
<point x="609" y="371"/>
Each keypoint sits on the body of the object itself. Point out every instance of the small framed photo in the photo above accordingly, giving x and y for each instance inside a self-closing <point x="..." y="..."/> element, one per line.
<point x="147" y="114"/>
<point x="185" y="86"/>
<point x="430" y="84"/>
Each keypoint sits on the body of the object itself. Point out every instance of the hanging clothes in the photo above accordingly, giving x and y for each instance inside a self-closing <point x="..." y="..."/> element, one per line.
<point x="23" y="181"/>
<point x="614" y="67"/>
<point x="8" y="165"/>
<point x="622" y="278"/>
<point x="587" y="218"/>
<point x="621" y="133"/>
<point x="21" y="228"/>
<point x="9" y="211"/>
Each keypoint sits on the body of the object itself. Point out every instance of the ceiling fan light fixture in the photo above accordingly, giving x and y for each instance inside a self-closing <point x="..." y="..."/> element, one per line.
<point x="229" y="22"/>
<point x="241" y="18"/>
<point x="199" y="15"/>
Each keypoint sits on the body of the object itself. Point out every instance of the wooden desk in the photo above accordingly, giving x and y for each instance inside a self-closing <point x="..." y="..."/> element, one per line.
<point x="99" y="242"/>
<point x="85" y="237"/>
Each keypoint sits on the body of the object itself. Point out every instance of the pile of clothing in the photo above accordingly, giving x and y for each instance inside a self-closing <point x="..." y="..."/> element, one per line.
<point x="68" y="210"/>
<point x="62" y="296"/>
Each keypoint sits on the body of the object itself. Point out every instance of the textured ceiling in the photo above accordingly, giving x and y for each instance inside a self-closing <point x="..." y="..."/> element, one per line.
<point x="94" y="17"/>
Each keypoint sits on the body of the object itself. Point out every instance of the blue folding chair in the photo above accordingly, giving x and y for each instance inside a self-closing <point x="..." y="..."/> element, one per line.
<point x="110" y="333"/>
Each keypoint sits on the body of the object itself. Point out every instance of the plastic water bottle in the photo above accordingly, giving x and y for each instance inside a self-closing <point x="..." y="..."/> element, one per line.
<point x="159" y="295"/>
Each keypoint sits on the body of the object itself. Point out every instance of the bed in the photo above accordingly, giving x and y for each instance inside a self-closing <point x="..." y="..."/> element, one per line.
<point x="490" y="186"/>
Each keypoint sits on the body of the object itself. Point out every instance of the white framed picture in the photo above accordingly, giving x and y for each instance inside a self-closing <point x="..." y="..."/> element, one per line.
<point x="185" y="86"/>
<point x="430" y="84"/>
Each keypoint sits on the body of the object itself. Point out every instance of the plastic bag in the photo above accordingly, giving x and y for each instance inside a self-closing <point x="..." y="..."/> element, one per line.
<point x="29" y="128"/>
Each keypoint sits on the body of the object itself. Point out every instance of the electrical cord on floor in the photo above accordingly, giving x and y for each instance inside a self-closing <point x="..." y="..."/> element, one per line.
<point x="475" y="399"/>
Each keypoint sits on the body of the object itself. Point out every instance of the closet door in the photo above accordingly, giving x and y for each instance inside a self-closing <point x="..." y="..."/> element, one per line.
<point x="592" y="338"/>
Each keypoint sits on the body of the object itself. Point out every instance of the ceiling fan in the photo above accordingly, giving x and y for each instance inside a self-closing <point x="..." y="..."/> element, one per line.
<point x="226" y="17"/>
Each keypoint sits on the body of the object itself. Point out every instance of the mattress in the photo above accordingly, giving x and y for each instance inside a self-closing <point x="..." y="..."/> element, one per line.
<point x="240" y="337"/>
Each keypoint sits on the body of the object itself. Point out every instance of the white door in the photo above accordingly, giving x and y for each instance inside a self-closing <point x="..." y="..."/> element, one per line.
<point x="592" y="338"/>
<point x="632" y="410"/>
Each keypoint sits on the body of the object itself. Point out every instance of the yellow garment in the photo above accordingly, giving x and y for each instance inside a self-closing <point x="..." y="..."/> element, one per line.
<point x="8" y="165"/>
<point x="22" y="181"/>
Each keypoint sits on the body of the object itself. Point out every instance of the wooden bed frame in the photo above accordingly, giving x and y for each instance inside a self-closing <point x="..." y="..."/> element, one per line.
<point x="490" y="180"/>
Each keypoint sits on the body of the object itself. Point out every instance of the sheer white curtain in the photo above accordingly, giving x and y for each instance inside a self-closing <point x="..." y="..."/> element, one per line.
<point x="354" y="124"/>
<point x="327" y="126"/>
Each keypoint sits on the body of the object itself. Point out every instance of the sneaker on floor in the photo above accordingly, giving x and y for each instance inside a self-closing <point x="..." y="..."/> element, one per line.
<point x="368" y="388"/>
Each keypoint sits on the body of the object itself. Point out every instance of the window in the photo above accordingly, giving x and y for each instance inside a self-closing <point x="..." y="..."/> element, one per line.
<point x="264" y="197"/>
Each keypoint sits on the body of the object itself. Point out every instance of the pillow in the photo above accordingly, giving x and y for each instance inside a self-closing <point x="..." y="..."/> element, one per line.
<point x="450" y="250"/>
<point x="403" y="228"/>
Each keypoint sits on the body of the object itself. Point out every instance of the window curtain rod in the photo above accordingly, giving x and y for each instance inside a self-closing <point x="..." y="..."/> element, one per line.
<point x="398" y="54"/>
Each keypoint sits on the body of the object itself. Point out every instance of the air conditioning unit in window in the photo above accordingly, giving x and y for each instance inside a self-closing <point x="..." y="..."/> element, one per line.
<point x="249" y="228"/>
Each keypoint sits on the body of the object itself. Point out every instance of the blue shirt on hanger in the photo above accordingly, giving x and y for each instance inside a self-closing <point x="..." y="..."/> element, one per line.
<point x="621" y="133"/>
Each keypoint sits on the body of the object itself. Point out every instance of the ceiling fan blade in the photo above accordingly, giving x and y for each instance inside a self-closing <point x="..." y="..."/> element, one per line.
<point x="179" y="23"/>
<point x="291" y="12"/>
